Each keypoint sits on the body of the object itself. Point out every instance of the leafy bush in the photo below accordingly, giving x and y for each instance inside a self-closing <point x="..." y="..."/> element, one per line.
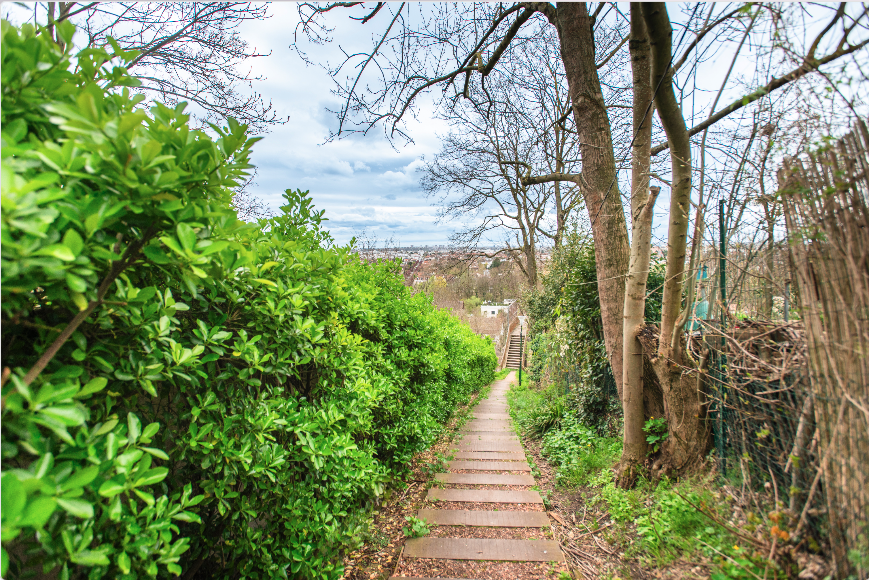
<point x="672" y="526"/>
<point x="177" y="382"/>
<point x="656" y="433"/>
<point x="535" y="411"/>
<point x="579" y="451"/>
<point x="416" y="528"/>
<point x="567" y="334"/>
<point x="623" y="505"/>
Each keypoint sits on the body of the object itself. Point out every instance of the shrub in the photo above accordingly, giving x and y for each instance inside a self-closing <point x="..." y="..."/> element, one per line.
<point x="578" y="451"/>
<point x="567" y="333"/>
<point x="178" y="382"/>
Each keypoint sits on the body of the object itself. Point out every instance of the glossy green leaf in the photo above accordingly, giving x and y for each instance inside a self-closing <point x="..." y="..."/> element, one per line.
<point x="112" y="487"/>
<point x="77" y="507"/>
<point x="90" y="558"/>
<point x="80" y="478"/>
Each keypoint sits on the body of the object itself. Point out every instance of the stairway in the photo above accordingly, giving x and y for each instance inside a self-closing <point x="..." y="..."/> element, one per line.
<point x="503" y="532"/>
<point x="514" y="351"/>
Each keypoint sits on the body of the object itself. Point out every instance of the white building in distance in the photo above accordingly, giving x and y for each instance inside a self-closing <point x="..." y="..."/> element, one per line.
<point x="492" y="310"/>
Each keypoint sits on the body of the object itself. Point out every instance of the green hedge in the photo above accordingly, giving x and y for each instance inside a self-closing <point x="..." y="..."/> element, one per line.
<point x="177" y="382"/>
<point x="566" y="337"/>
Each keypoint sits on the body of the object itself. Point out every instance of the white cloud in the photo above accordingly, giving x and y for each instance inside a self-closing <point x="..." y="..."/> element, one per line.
<point x="361" y="181"/>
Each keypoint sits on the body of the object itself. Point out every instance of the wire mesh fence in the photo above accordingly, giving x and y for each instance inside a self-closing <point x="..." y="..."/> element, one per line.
<point x="826" y="206"/>
<point x="790" y="402"/>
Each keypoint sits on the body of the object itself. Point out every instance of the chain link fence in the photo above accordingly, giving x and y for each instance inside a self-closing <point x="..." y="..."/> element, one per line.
<point x="790" y="402"/>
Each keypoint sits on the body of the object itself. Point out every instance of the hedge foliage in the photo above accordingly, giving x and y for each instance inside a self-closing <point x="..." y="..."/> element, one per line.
<point x="177" y="382"/>
<point x="567" y="343"/>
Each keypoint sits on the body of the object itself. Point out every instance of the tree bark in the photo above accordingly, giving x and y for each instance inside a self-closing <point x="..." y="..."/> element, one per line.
<point x="642" y="211"/>
<point x="600" y="189"/>
<point x="686" y="430"/>
<point x="769" y="215"/>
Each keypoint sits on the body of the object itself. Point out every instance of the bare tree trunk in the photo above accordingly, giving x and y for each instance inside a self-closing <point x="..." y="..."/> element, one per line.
<point x="642" y="211"/>
<point x="600" y="188"/>
<point x="686" y="430"/>
<point x="559" y="208"/>
<point x="530" y="252"/>
<point x="768" y="282"/>
<point x="769" y="216"/>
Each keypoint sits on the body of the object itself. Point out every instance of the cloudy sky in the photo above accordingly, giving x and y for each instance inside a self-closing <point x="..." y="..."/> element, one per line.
<point x="366" y="184"/>
<point x="363" y="182"/>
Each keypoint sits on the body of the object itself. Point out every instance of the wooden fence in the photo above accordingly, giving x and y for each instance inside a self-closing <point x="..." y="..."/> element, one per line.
<point x="825" y="197"/>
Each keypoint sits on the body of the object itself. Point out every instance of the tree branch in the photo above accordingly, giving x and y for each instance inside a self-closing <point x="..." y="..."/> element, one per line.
<point x="372" y="14"/>
<point x="508" y="38"/>
<point x="613" y="53"/>
<point x="552" y="177"/>
<point x="130" y="256"/>
<point x="775" y="83"/>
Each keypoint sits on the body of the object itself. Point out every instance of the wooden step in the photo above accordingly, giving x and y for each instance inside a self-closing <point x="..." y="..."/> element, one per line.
<point x="501" y="422"/>
<point x="500" y="519"/>
<point x="489" y="465"/>
<point x="505" y="455"/>
<point x="490" y="426"/>
<point x="484" y="549"/>
<point x="498" y="446"/>
<point x="485" y="478"/>
<point x="485" y="495"/>
<point x="489" y="436"/>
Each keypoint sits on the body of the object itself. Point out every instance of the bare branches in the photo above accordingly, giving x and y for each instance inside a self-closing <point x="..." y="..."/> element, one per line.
<point x="343" y="115"/>
<point x="614" y="51"/>
<point x="429" y="46"/>
<point x="700" y="35"/>
<point x="810" y="55"/>
<point x="505" y="42"/>
<point x="775" y="83"/>
<point x="188" y="52"/>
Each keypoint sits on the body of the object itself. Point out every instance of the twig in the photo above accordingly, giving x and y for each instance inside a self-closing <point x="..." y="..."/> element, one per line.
<point x="603" y="548"/>
<point x="594" y="531"/>
<point x="821" y="469"/>
<point x="731" y="559"/>
<point x="771" y="556"/>
<point x="718" y="521"/>
<point x="398" y="561"/>
<point x="407" y="489"/>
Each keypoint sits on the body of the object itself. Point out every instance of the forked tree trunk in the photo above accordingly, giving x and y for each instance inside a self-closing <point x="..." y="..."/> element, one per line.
<point x="600" y="188"/>
<point x="642" y="211"/>
<point x="687" y="433"/>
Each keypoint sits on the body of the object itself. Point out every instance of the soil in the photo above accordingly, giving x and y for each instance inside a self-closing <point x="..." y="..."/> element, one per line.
<point x="485" y="506"/>
<point x="491" y="533"/>
<point x="480" y="569"/>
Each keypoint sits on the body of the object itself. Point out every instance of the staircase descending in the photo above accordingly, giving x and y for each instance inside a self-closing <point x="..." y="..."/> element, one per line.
<point x="469" y="543"/>
<point x="514" y="352"/>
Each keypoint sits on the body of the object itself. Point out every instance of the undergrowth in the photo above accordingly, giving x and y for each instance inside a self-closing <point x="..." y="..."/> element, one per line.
<point x="668" y="519"/>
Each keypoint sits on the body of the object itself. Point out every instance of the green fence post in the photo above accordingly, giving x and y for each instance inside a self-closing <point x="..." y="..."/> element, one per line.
<point x="722" y="358"/>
